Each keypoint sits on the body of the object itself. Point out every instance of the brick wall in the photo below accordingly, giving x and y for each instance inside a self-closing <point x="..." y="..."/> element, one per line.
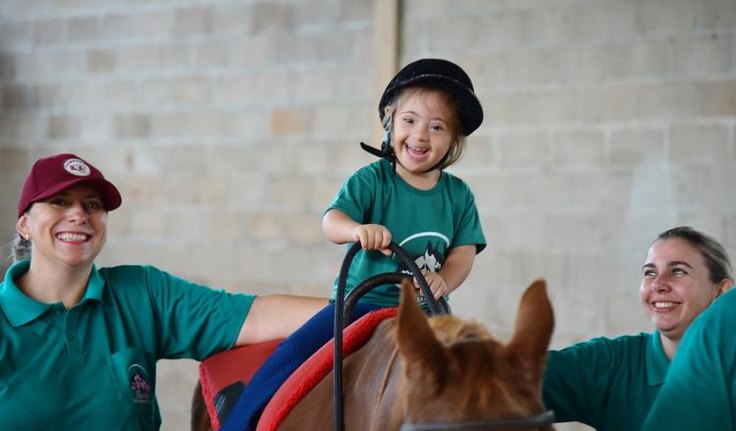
<point x="229" y="125"/>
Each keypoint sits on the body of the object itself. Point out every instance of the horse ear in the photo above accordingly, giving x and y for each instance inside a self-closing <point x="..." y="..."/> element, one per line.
<point x="416" y="340"/>
<point x="535" y="322"/>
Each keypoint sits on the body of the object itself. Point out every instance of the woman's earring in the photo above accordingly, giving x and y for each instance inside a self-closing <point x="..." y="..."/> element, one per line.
<point x="28" y="237"/>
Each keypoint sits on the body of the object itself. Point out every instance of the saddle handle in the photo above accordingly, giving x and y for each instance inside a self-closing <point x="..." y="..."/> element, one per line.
<point x="344" y="307"/>
<point x="436" y="306"/>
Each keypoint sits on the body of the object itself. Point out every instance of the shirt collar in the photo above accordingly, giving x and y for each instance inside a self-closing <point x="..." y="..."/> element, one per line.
<point x="656" y="360"/>
<point x="20" y="309"/>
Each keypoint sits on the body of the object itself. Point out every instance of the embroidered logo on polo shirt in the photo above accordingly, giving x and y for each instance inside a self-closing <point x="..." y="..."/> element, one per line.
<point x="139" y="383"/>
<point x="77" y="167"/>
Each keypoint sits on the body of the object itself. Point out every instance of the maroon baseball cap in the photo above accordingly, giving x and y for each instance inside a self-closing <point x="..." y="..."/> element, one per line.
<point x="53" y="174"/>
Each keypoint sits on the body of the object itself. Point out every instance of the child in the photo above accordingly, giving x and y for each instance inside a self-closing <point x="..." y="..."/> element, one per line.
<point x="427" y="110"/>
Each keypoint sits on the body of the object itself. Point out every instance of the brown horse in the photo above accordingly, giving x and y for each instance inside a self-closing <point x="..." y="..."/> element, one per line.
<point x="416" y="370"/>
<point x="199" y="420"/>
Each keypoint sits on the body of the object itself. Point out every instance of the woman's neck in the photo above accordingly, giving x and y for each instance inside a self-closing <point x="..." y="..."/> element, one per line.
<point x="669" y="345"/>
<point x="51" y="284"/>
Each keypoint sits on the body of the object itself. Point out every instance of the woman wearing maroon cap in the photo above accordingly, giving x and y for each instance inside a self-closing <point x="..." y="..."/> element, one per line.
<point x="79" y="344"/>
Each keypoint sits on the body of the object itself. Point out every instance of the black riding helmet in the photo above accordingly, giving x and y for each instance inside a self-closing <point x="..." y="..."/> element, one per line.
<point x="433" y="73"/>
<point x="441" y="74"/>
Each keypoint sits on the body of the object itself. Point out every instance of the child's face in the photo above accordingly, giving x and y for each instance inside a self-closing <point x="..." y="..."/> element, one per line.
<point x="422" y="129"/>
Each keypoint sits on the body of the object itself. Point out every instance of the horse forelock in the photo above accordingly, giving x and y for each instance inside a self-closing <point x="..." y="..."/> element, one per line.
<point x="450" y="329"/>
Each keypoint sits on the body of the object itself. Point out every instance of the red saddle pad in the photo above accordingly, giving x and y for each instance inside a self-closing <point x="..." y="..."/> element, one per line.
<point x="314" y="369"/>
<point x="232" y="369"/>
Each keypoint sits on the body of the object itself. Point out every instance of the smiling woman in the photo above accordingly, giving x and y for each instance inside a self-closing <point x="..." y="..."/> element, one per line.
<point x="610" y="384"/>
<point x="87" y="339"/>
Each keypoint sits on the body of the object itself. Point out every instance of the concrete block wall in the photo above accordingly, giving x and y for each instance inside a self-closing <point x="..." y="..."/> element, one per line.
<point x="229" y="125"/>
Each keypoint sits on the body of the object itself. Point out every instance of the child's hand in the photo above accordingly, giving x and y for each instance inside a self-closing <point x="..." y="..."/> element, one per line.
<point x="373" y="237"/>
<point x="436" y="283"/>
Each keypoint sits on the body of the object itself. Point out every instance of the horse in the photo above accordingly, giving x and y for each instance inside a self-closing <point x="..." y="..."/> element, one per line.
<point x="442" y="372"/>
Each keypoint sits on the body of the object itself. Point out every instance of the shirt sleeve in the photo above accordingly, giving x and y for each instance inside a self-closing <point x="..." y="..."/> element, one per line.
<point x="700" y="388"/>
<point x="192" y="320"/>
<point x="577" y="381"/>
<point x="355" y="197"/>
<point x="469" y="228"/>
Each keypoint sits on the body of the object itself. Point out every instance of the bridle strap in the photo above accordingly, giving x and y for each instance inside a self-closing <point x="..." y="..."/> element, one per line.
<point x="537" y="421"/>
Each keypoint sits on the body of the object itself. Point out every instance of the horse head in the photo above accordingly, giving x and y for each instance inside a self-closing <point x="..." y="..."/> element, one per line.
<point x="455" y="370"/>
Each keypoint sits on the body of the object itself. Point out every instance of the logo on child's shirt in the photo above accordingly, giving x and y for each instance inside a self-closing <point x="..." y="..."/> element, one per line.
<point x="431" y="258"/>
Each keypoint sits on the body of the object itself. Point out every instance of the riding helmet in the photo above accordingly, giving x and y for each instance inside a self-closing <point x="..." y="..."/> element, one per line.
<point x="442" y="74"/>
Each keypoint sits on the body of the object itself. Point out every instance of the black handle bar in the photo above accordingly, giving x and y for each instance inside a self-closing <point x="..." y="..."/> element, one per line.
<point x="344" y="307"/>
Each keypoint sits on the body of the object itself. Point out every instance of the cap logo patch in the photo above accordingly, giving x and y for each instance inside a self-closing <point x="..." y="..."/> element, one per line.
<point x="77" y="167"/>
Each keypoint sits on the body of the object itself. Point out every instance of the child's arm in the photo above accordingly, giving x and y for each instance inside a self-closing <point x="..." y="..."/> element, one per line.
<point x="454" y="271"/>
<point x="339" y="228"/>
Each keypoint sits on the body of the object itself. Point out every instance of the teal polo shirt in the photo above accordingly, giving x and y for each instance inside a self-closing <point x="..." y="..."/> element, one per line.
<point x="699" y="392"/>
<point x="93" y="367"/>
<point x="608" y="384"/>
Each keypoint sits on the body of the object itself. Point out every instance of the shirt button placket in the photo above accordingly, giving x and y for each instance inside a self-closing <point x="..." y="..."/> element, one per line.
<point x="70" y="334"/>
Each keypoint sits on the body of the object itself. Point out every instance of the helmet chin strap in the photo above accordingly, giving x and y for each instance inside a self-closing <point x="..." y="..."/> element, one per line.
<point x="386" y="152"/>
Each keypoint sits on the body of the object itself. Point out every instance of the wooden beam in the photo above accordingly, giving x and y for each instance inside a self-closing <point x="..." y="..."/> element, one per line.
<point x="386" y="15"/>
